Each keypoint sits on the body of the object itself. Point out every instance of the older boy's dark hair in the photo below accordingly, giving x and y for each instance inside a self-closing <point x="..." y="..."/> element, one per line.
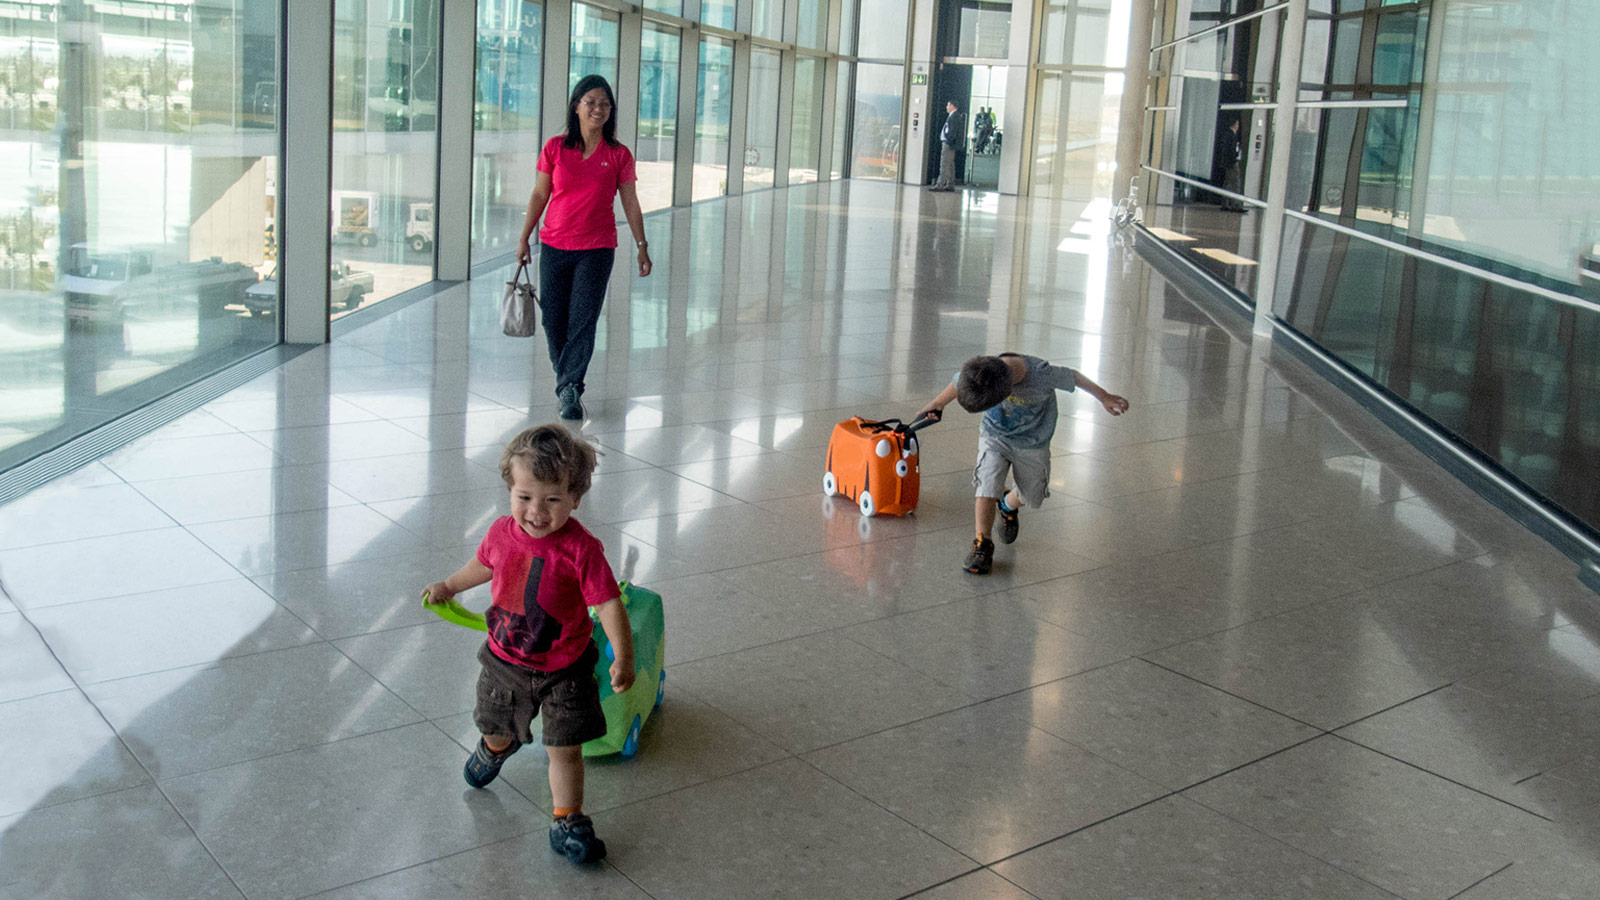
<point x="552" y="456"/>
<point x="985" y="383"/>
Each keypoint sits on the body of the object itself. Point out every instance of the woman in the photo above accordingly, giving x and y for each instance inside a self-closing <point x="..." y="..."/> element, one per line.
<point x="580" y="173"/>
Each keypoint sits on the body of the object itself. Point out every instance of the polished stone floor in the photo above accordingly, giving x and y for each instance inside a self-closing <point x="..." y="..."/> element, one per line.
<point x="1252" y="647"/>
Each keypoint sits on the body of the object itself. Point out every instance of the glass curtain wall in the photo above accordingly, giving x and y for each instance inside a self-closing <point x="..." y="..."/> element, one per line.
<point x="887" y="38"/>
<point x="1083" y="46"/>
<point x="137" y="208"/>
<point x="505" y="120"/>
<point x="875" y="132"/>
<point x="1211" y="142"/>
<point x="767" y="19"/>
<point x="658" y="115"/>
<point x="712" y="120"/>
<point x="813" y="24"/>
<point x="595" y="34"/>
<point x="1454" y="137"/>
<point x="385" y="108"/>
<point x="761" y="121"/>
<point x="805" y="133"/>
<point x="718" y="13"/>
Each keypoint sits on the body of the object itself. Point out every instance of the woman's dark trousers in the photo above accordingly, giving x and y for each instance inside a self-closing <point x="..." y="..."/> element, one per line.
<point x="572" y="287"/>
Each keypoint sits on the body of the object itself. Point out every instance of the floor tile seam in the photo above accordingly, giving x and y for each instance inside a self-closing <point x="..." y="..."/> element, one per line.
<point x="180" y="776"/>
<point x="1222" y="690"/>
<point x="141" y="593"/>
<point x="1481" y="880"/>
<point x="172" y="523"/>
<point x="919" y="892"/>
<point x="1291" y="848"/>
<point x="1445" y="778"/>
<point x="150" y="778"/>
<point x="505" y="782"/>
<point x="210" y="663"/>
<point x="914" y="826"/>
<point x="201" y="841"/>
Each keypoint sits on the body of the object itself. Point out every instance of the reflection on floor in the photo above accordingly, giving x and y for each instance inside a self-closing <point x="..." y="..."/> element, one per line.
<point x="1251" y="646"/>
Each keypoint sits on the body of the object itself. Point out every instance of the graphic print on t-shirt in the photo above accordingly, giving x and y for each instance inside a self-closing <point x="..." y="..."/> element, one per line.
<point x="533" y="632"/>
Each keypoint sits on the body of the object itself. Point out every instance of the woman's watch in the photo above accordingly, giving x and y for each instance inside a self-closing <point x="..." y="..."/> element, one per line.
<point x="642" y="244"/>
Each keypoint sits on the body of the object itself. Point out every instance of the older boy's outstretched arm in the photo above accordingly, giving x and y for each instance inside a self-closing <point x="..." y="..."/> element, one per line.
<point x="465" y="578"/>
<point x="935" y="408"/>
<point x="614" y="617"/>
<point x="1113" y="403"/>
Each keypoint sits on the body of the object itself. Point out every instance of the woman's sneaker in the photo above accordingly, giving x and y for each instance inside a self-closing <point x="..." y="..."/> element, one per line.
<point x="981" y="558"/>
<point x="573" y="837"/>
<point x="571" y="406"/>
<point x="484" y="764"/>
<point x="1008" y="525"/>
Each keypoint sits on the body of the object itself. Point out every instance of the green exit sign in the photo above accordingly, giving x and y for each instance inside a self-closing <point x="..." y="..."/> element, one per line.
<point x="919" y="79"/>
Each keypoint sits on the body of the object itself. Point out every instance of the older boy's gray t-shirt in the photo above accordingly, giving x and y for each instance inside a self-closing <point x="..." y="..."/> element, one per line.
<point x="1027" y="418"/>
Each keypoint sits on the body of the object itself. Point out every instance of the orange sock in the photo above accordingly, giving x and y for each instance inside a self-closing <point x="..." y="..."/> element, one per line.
<point x="561" y="812"/>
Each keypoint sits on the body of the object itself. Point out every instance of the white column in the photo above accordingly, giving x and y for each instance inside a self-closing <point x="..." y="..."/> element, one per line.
<point x="1135" y="91"/>
<point x="780" y="155"/>
<point x="631" y="36"/>
<point x="305" y="180"/>
<point x="557" y="61"/>
<point x="1294" y="30"/>
<point x="683" y="146"/>
<point x="1017" y="126"/>
<point x="828" y="103"/>
<point x="738" y="115"/>
<point x="452" y="226"/>
<point x="920" y="113"/>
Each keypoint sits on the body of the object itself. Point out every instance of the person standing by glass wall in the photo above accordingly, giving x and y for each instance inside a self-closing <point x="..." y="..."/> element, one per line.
<point x="580" y="175"/>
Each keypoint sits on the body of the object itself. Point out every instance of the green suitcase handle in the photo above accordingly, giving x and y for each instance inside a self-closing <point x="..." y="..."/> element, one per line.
<point x="456" y="614"/>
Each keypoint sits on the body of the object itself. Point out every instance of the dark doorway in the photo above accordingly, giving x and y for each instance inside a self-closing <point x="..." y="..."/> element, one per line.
<point x="951" y="82"/>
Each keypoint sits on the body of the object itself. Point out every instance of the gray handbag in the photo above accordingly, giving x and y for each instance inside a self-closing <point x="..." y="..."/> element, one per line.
<point x="519" y="304"/>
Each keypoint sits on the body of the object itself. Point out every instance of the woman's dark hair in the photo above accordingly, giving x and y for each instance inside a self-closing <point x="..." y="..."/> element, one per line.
<point x="587" y="83"/>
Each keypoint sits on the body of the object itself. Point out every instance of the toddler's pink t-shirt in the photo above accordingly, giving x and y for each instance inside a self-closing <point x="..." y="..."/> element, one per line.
<point x="579" y="215"/>
<point x="541" y="592"/>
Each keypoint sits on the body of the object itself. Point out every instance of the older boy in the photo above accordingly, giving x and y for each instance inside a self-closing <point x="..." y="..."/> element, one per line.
<point x="1017" y="396"/>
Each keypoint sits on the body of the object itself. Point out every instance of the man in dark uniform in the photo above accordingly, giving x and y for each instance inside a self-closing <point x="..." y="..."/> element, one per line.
<point x="952" y="136"/>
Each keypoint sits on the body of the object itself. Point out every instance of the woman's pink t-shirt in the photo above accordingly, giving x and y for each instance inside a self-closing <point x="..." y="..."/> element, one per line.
<point x="579" y="215"/>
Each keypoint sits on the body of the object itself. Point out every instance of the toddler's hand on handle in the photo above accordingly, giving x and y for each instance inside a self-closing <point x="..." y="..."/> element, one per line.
<point x="438" y="592"/>
<point x="1114" y="404"/>
<point x="931" y="413"/>
<point x="621" y="675"/>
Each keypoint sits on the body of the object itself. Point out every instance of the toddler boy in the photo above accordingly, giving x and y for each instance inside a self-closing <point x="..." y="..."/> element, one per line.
<point x="545" y="570"/>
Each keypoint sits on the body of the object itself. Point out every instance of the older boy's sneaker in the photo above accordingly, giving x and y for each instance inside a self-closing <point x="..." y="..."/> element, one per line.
<point x="1008" y="525"/>
<point x="981" y="558"/>
<point x="484" y="764"/>
<point x="571" y="406"/>
<point x="573" y="837"/>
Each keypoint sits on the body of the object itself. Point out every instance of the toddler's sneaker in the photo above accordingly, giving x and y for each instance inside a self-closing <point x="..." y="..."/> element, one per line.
<point x="573" y="837"/>
<point x="484" y="764"/>
<point x="981" y="558"/>
<point x="1008" y="525"/>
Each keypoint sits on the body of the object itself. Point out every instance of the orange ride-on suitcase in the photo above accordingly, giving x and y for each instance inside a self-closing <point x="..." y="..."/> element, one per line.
<point x="875" y="464"/>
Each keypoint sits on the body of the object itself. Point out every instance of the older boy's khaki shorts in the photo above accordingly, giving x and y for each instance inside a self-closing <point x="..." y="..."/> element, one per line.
<point x="1029" y="468"/>
<point x="568" y="700"/>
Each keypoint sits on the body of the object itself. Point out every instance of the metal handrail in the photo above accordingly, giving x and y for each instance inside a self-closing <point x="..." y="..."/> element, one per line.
<point x="1221" y="25"/>
<point x="1449" y="263"/>
<point x="1259" y="204"/>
